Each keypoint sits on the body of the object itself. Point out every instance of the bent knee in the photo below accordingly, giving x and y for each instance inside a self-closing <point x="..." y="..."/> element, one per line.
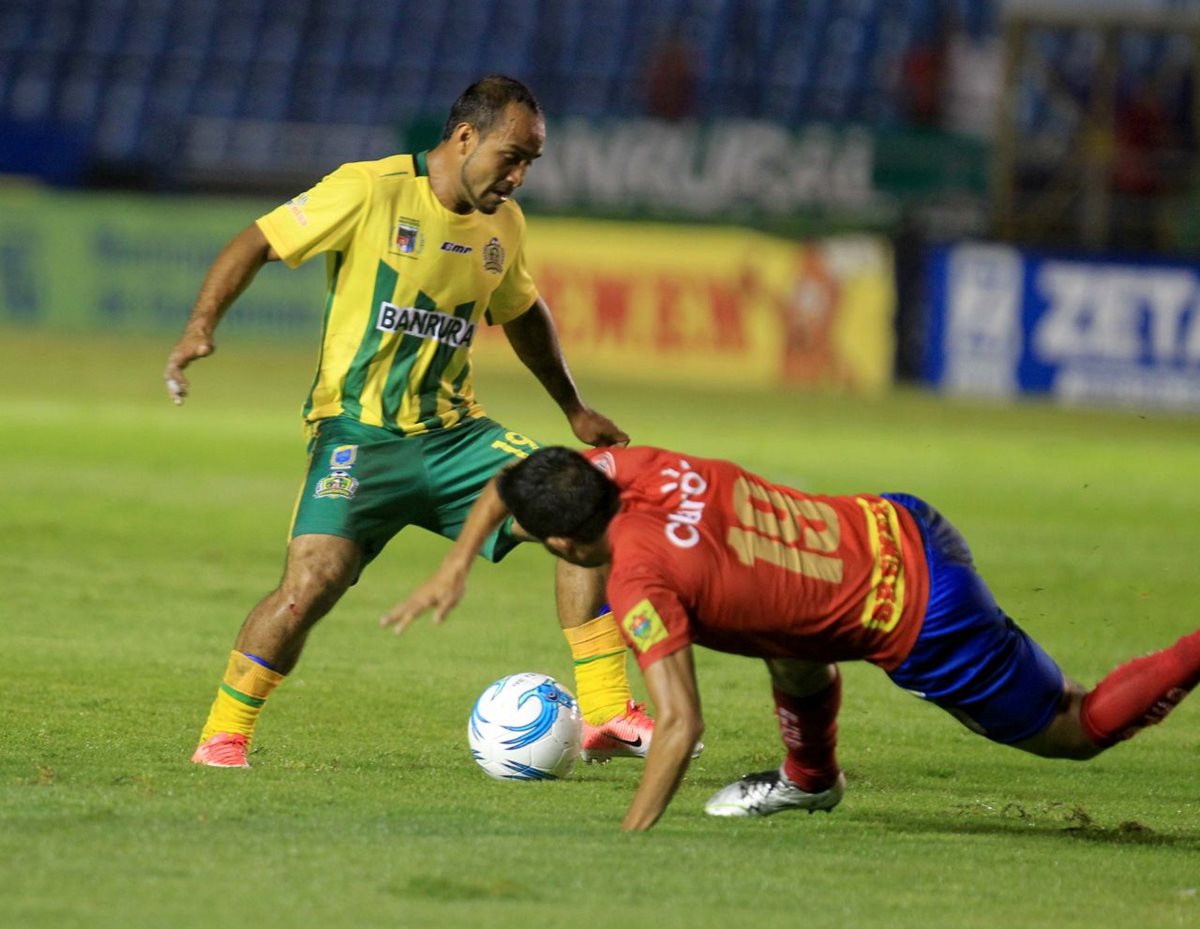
<point x="319" y="571"/>
<point x="1064" y="736"/>
<point x="800" y="677"/>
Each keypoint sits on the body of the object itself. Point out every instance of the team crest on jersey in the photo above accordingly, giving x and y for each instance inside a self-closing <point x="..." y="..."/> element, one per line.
<point x="339" y="484"/>
<point x="493" y="256"/>
<point x="343" y="457"/>
<point x="644" y="626"/>
<point x="407" y="239"/>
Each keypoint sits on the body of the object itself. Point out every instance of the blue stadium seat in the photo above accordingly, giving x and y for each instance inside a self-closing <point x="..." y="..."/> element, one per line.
<point x="140" y="70"/>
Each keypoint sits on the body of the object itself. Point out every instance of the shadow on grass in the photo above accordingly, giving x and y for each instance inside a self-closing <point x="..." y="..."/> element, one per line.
<point x="1059" y="821"/>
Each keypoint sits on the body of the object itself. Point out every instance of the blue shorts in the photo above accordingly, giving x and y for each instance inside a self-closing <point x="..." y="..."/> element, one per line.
<point x="970" y="658"/>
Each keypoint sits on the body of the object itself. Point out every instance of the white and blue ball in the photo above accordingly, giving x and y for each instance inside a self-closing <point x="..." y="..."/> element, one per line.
<point x="525" y="727"/>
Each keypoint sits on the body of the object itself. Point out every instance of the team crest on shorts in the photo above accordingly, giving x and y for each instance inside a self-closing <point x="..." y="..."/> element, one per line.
<point x="339" y="484"/>
<point x="644" y="626"/>
<point x="493" y="256"/>
<point x="343" y="457"/>
<point x="407" y="239"/>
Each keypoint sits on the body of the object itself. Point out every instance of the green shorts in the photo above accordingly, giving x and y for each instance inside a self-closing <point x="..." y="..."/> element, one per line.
<point x="367" y="483"/>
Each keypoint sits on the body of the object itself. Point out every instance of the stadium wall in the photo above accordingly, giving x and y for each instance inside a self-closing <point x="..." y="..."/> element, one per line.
<point x="653" y="302"/>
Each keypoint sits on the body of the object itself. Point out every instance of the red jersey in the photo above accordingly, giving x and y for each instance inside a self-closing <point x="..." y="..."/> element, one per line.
<point x="706" y="553"/>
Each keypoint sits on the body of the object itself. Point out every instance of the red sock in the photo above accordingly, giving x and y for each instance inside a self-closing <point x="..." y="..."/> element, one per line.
<point x="808" y="726"/>
<point x="1141" y="692"/>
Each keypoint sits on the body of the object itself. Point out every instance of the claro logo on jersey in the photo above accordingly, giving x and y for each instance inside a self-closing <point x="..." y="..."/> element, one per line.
<point x="425" y="324"/>
<point x="682" y="521"/>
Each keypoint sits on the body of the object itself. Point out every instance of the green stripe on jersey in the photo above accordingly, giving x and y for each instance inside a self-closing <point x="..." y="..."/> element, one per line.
<point x="396" y="384"/>
<point x="356" y="376"/>
<point x="431" y="383"/>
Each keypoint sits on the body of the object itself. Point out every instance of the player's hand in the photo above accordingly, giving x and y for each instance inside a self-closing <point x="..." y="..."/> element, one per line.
<point x="595" y="428"/>
<point x="191" y="345"/>
<point x="440" y="593"/>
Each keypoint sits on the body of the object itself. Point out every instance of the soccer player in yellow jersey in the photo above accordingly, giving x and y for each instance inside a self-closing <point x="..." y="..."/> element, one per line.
<point x="420" y="250"/>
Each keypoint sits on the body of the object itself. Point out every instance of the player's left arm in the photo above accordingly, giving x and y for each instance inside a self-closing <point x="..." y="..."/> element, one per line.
<point x="671" y="683"/>
<point x="535" y="341"/>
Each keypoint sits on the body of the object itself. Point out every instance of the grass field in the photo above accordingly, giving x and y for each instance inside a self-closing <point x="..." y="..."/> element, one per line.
<point x="136" y="536"/>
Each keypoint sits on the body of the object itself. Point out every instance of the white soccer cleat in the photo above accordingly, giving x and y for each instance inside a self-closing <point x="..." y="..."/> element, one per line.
<point x="770" y="792"/>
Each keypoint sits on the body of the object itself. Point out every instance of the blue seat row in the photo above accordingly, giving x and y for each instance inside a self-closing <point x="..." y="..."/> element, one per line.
<point x="131" y="73"/>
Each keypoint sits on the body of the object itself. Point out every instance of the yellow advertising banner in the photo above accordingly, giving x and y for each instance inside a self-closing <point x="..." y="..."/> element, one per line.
<point x="709" y="305"/>
<point x="639" y="301"/>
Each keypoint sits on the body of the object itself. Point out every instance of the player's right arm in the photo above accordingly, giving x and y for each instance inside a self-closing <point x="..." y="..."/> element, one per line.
<point x="230" y="274"/>
<point x="322" y="219"/>
<point x="678" y="725"/>
<point x="442" y="591"/>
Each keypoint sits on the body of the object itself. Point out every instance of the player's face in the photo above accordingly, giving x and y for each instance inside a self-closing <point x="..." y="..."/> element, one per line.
<point x="496" y="166"/>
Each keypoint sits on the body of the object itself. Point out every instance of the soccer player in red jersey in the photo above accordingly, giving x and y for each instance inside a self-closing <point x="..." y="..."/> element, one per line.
<point x="702" y="552"/>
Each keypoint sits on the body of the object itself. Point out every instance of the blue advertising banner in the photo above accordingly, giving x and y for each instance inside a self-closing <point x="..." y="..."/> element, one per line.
<point x="1000" y="321"/>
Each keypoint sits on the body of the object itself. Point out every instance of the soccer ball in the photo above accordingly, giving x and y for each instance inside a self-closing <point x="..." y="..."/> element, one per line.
<point x="525" y="727"/>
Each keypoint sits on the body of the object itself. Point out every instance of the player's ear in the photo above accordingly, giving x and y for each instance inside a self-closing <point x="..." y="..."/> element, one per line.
<point x="559" y="545"/>
<point x="465" y="137"/>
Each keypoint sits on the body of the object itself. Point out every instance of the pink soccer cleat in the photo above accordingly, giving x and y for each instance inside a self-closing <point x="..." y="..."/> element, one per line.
<point x="626" y="735"/>
<point x="223" y="750"/>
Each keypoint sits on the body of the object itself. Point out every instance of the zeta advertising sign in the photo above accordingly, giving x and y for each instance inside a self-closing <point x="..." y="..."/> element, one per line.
<point x="1000" y="321"/>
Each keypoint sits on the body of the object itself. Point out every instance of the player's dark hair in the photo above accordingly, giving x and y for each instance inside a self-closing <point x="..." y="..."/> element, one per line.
<point x="482" y="104"/>
<point x="558" y="492"/>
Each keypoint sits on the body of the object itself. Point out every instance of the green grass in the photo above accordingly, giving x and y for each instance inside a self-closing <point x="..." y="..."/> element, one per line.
<point x="137" y="535"/>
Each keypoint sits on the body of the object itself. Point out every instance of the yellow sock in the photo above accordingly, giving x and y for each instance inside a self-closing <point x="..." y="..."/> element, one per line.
<point x="600" y="682"/>
<point x="241" y="696"/>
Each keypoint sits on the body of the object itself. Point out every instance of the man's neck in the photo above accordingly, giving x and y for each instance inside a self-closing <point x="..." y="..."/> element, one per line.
<point x="443" y="179"/>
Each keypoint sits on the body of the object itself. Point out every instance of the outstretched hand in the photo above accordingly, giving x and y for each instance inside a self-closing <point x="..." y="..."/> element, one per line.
<point x="595" y="428"/>
<point x="191" y="345"/>
<point x="439" y="593"/>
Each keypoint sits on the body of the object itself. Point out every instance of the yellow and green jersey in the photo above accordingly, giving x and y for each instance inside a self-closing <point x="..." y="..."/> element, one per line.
<point x="408" y="283"/>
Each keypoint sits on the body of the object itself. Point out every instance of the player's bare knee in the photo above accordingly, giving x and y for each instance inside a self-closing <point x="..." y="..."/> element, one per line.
<point x="311" y="593"/>
<point x="799" y="677"/>
<point x="1064" y="737"/>
<point x="319" y="570"/>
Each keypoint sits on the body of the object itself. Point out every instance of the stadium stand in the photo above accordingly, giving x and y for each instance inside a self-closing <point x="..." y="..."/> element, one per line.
<point x="158" y="90"/>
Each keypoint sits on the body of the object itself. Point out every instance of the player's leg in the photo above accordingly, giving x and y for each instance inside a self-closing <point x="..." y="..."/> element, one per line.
<point x="361" y="485"/>
<point x="614" y="725"/>
<point x="807" y="697"/>
<point x="319" y="569"/>
<point x="601" y="685"/>
<point x="978" y="664"/>
<point x="970" y="658"/>
<point x="1135" y="695"/>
